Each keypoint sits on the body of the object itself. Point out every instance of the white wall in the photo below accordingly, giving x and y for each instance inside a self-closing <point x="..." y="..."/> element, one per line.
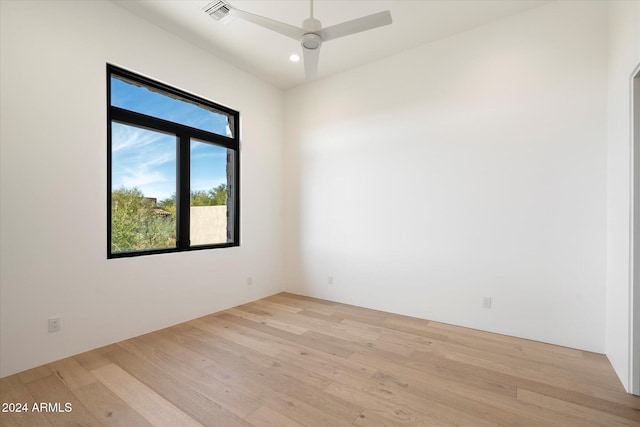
<point x="53" y="184"/>
<point x="472" y="166"/>
<point x="624" y="56"/>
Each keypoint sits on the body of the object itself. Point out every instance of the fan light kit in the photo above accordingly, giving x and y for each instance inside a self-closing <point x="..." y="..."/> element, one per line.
<point x="311" y="35"/>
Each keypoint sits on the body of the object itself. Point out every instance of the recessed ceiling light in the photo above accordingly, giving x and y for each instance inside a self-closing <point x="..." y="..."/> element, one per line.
<point x="294" y="58"/>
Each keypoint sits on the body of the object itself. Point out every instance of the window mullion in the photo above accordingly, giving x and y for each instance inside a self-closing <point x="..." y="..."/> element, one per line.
<point x="184" y="190"/>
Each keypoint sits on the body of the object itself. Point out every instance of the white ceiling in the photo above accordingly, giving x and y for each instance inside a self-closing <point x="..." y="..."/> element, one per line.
<point x="266" y="54"/>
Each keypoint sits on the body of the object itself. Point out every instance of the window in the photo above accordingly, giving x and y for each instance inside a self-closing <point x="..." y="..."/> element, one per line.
<point x="173" y="169"/>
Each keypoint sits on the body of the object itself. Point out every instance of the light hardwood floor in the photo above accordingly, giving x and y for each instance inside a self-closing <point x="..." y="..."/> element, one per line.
<point x="289" y="360"/>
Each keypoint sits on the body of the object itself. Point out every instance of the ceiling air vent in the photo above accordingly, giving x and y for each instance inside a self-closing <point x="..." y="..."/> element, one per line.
<point x="219" y="10"/>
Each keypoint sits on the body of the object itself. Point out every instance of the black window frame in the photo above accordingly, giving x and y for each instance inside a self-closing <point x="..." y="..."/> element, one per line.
<point x="184" y="135"/>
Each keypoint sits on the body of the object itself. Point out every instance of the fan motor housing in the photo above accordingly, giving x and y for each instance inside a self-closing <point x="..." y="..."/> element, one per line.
<point x="311" y="41"/>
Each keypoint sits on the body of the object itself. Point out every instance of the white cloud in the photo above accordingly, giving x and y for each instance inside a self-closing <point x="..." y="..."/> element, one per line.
<point x="143" y="159"/>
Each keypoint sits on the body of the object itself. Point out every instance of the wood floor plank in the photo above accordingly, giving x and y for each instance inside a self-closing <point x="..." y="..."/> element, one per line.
<point x="220" y="349"/>
<point x="221" y="394"/>
<point x="13" y="391"/>
<point x="312" y="339"/>
<point x="281" y="402"/>
<point x="369" y="418"/>
<point x="91" y="360"/>
<point x="439" y="370"/>
<point x="181" y="333"/>
<point x="309" y="323"/>
<point x="247" y="379"/>
<point x="307" y="338"/>
<point x="291" y="386"/>
<point x="109" y="409"/>
<point x="425" y="332"/>
<point x="378" y="343"/>
<point x="71" y="373"/>
<point x="267" y="417"/>
<point x="333" y="318"/>
<point x="141" y="398"/>
<point x="168" y="346"/>
<point x="304" y="413"/>
<point x="510" y="381"/>
<point x="265" y="320"/>
<point x="337" y="329"/>
<point x="67" y="409"/>
<point x="174" y="389"/>
<point x="521" y="348"/>
<point x="432" y="411"/>
<point x="336" y="346"/>
<point x="453" y="351"/>
<point x="513" y="366"/>
<point x="487" y="406"/>
<point x="304" y="303"/>
<point x="409" y="322"/>
<point x="249" y="339"/>
<point x="602" y="379"/>
<point x="276" y="306"/>
<point x="34" y="374"/>
<point x="382" y="409"/>
<point x="488" y="343"/>
<point x="290" y="360"/>
<point x="587" y="415"/>
<point x="314" y="360"/>
<point x="373" y="316"/>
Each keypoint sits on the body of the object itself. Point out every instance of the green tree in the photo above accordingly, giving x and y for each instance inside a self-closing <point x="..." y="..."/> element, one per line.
<point x="137" y="224"/>
<point x="169" y="204"/>
<point x="200" y="198"/>
<point x="218" y="195"/>
<point x="214" y="197"/>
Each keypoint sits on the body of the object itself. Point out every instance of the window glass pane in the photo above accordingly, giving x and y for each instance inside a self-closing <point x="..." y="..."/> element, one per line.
<point x="153" y="102"/>
<point x="143" y="189"/>
<point x="208" y="211"/>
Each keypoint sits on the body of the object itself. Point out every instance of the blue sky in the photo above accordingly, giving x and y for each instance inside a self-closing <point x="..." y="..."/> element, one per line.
<point x="147" y="159"/>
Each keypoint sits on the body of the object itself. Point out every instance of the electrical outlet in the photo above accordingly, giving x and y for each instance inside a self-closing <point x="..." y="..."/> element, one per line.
<point x="330" y="280"/>
<point x="486" y="302"/>
<point x="249" y="281"/>
<point x="54" y="324"/>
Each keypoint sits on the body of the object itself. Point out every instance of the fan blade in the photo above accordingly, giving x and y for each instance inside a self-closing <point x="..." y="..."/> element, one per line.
<point x="355" y="26"/>
<point x="311" y="57"/>
<point x="277" y="26"/>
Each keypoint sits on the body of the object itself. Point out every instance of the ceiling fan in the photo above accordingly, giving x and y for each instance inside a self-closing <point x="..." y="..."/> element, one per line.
<point x="311" y="35"/>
